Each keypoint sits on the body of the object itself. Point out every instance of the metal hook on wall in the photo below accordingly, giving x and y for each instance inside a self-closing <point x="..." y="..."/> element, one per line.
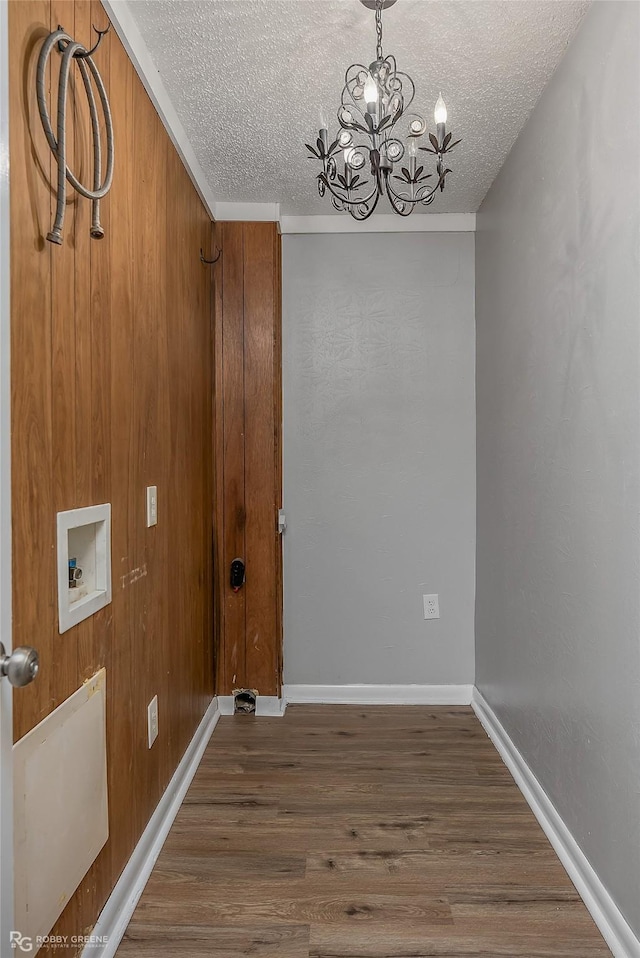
<point x="209" y="262"/>
<point x="79" y="55"/>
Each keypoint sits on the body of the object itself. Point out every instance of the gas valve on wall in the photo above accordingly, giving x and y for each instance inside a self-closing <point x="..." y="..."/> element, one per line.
<point x="236" y="579"/>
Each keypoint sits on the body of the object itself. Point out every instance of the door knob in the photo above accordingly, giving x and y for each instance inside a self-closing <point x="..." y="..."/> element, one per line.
<point x="21" y="667"/>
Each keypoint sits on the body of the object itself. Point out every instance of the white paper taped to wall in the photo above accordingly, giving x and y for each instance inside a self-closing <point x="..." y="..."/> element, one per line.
<point x="60" y="806"/>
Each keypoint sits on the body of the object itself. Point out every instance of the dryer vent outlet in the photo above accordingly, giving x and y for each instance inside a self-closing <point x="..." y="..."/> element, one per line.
<point x="244" y="700"/>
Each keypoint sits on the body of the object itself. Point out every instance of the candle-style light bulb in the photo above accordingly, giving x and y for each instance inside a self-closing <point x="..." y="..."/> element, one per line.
<point x="440" y="112"/>
<point x="413" y="152"/>
<point x="370" y="93"/>
<point x="348" y="172"/>
<point x="323" y="132"/>
<point x="440" y="116"/>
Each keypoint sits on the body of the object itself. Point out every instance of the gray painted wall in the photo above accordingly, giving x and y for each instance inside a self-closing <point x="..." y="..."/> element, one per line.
<point x="379" y="457"/>
<point x="558" y="441"/>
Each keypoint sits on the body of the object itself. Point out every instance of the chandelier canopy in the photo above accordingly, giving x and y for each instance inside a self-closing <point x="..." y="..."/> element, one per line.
<point x="377" y="124"/>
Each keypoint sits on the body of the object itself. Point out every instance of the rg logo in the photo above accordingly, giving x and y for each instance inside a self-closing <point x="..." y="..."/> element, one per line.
<point x="20" y="941"/>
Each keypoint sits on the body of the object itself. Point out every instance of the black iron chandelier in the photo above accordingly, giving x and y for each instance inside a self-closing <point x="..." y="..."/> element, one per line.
<point x="376" y="123"/>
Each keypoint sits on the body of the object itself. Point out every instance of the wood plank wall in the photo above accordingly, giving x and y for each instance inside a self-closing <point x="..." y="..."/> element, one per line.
<point x="249" y="475"/>
<point x="111" y="392"/>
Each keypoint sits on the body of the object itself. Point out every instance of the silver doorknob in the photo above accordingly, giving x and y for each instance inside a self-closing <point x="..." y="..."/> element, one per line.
<point x="21" y="667"/>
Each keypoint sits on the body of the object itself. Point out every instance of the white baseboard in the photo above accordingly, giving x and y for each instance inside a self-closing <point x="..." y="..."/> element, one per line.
<point x="267" y="706"/>
<point x="225" y="704"/>
<point x="604" y="911"/>
<point x="116" y="914"/>
<point x="270" y="706"/>
<point x="378" y="694"/>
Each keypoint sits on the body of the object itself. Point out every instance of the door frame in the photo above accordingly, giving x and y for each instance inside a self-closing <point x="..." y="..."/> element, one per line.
<point x="6" y="692"/>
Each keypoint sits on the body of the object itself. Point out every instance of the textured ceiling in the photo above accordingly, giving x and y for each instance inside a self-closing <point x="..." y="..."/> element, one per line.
<point x="249" y="79"/>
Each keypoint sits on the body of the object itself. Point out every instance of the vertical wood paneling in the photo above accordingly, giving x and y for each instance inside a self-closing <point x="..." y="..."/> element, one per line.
<point x="65" y="471"/>
<point x="112" y="391"/>
<point x="79" y="278"/>
<point x="277" y="450"/>
<point x="31" y="367"/>
<point x="147" y="273"/>
<point x="80" y="281"/>
<point x="117" y="315"/>
<point x="248" y="476"/>
<point x="233" y="651"/>
<point x="178" y="385"/>
<point x="260" y="300"/>
<point x="100" y="289"/>
<point x="93" y="309"/>
<point x="218" y="472"/>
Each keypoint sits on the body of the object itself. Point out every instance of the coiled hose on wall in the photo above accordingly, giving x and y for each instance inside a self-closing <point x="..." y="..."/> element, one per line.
<point x="72" y="50"/>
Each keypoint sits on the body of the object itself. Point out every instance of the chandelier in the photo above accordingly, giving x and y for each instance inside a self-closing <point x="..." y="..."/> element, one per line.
<point x="376" y="124"/>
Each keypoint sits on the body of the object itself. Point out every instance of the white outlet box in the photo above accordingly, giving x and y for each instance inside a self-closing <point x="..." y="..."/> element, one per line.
<point x="152" y="720"/>
<point x="152" y="506"/>
<point x="431" y="607"/>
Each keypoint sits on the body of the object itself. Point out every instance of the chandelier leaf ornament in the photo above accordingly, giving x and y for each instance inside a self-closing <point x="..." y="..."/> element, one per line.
<point x="378" y="125"/>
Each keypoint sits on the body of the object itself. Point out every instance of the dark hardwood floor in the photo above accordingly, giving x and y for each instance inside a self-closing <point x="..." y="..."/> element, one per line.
<point x="351" y="832"/>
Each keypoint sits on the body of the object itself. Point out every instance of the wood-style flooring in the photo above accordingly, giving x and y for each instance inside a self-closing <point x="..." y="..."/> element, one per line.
<point x="351" y="832"/>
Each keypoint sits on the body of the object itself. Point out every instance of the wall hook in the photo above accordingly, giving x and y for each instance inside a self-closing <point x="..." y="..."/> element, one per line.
<point x="79" y="55"/>
<point x="209" y="262"/>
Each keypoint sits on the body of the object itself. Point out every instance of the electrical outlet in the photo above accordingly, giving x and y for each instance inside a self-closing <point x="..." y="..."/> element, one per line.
<point x="431" y="607"/>
<point x="152" y="720"/>
<point x="152" y="506"/>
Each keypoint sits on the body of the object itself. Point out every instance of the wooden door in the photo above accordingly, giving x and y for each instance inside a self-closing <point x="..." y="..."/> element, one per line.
<point x="6" y="721"/>
<point x="248" y="457"/>
<point x="111" y="384"/>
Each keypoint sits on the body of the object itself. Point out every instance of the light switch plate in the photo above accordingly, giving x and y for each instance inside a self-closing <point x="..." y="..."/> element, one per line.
<point x="152" y="506"/>
<point x="431" y="607"/>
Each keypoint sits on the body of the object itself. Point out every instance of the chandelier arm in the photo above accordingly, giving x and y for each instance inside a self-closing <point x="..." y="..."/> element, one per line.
<point x="404" y="76"/>
<point x="413" y="117"/>
<point x="355" y="126"/>
<point x="349" y="102"/>
<point x="395" y="199"/>
<point x="367" y="214"/>
<point x="360" y="67"/>
<point x="427" y="194"/>
<point x="382" y="129"/>
<point x="338" y="194"/>
<point x="429" y="199"/>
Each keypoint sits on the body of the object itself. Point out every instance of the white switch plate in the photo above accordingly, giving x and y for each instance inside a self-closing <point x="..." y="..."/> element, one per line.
<point x="152" y="506"/>
<point x="431" y="607"/>
<point x="152" y="720"/>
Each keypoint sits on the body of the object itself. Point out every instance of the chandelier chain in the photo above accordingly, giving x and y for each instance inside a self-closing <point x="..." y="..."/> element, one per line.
<point x="379" y="29"/>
